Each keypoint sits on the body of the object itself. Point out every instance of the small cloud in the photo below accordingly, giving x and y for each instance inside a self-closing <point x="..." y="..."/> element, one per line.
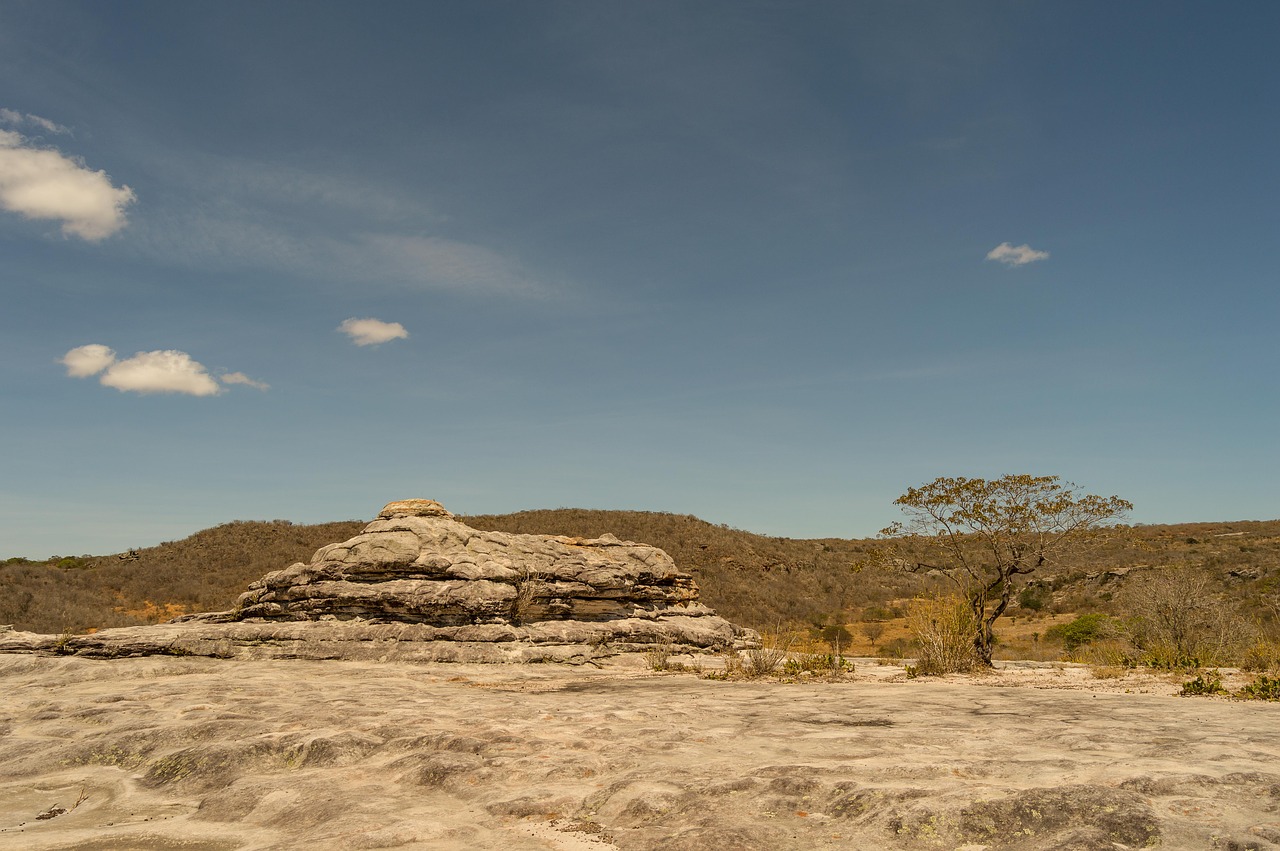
<point x="16" y="119"/>
<point x="372" y="332"/>
<point x="146" y="372"/>
<point x="161" y="372"/>
<point x="1019" y="255"/>
<point x="241" y="378"/>
<point x="444" y="264"/>
<point x="44" y="183"/>
<point x="87" y="360"/>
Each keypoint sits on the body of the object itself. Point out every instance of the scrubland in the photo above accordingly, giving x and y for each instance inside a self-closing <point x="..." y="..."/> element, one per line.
<point x="824" y="594"/>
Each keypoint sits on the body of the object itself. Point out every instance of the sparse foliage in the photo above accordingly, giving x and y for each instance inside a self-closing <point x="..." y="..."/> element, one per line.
<point x="943" y="627"/>
<point x="1177" y="621"/>
<point x="985" y="534"/>
<point x="658" y="657"/>
<point x="767" y="658"/>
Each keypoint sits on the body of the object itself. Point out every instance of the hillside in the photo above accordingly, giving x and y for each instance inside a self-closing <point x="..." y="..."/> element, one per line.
<point x="759" y="581"/>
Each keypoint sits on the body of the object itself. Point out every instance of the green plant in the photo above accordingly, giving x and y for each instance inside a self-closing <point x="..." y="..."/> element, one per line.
<point x="1262" y="688"/>
<point x="836" y="636"/>
<point x="1168" y="659"/>
<point x="1207" y="683"/>
<point x="1083" y="630"/>
<point x="1034" y="597"/>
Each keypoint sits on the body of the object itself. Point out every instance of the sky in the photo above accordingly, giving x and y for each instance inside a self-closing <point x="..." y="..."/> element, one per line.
<point x="767" y="263"/>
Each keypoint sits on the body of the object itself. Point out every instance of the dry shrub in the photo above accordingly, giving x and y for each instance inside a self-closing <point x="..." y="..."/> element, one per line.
<point x="658" y="657"/>
<point x="1177" y="621"/>
<point x="1263" y="655"/>
<point x="1106" y="653"/>
<point x="766" y="659"/>
<point x="944" y="627"/>
<point x="732" y="662"/>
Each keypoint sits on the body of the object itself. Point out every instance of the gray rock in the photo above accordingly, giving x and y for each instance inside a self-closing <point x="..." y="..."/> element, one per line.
<point x="418" y="584"/>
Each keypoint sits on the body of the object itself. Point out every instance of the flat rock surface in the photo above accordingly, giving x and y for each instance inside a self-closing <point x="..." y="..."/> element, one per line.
<point x="197" y="753"/>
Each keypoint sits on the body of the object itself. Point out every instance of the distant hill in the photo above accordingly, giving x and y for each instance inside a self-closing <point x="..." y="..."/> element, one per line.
<point x="756" y="580"/>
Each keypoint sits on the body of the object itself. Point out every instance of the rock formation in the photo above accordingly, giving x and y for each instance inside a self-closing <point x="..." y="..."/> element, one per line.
<point x="419" y="584"/>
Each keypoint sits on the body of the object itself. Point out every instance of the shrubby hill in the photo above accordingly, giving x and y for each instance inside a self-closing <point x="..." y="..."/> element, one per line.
<point x="205" y="572"/>
<point x="756" y="580"/>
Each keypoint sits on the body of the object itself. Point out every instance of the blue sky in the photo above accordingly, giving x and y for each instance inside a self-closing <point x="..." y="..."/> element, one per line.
<point x="766" y="263"/>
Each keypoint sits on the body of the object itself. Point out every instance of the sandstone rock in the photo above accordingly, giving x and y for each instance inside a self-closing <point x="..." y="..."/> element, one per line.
<point x="413" y="508"/>
<point x="418" y="584"/>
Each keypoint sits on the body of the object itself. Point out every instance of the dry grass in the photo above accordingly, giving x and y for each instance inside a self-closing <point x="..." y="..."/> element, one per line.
<point x="944" y="628"/>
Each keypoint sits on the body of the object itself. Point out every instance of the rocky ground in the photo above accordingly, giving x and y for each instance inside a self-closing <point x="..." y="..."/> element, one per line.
<point x="196" y="753"/>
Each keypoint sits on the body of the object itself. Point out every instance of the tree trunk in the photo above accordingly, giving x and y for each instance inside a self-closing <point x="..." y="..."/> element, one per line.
<point x="985" y="634"/>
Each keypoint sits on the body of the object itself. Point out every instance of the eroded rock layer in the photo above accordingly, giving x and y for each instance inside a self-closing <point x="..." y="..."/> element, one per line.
<point x="417" y="583"/>
<point x="417" y="564"/>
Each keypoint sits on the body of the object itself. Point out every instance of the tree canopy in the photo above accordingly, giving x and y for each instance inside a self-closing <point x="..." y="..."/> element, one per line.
<point x="983" y="534"/>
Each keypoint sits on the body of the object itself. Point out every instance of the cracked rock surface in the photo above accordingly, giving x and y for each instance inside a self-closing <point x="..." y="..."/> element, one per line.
<point x="250" y="755"/>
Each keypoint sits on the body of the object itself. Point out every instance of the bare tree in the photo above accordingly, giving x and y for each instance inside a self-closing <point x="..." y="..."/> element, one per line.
<point x="1176" y="619"/>
<point x="984" y="534"/>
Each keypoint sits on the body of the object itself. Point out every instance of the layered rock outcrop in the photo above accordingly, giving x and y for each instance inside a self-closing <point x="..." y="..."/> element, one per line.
<point x="419" y="584"/>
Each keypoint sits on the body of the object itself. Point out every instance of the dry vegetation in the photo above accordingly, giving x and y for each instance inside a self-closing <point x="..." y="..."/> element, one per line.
<point x="205" y="572"/>
<point x="811" y="587"/>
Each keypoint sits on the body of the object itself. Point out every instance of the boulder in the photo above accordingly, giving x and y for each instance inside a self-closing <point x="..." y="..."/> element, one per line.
<point x="419" y="584"/>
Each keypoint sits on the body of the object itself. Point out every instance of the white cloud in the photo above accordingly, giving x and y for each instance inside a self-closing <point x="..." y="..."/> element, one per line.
<point x="166" y="371"/>
<point x="44" y="183"/>
<point x="14" y="118"/>
<point x="241" y="378"/>
<point x="148" y="372"/>
<point x="371" y="332"/>
<point x="83" y="361"/>
<point x="1019" y="255"/>
<point x="47" y="125"/>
